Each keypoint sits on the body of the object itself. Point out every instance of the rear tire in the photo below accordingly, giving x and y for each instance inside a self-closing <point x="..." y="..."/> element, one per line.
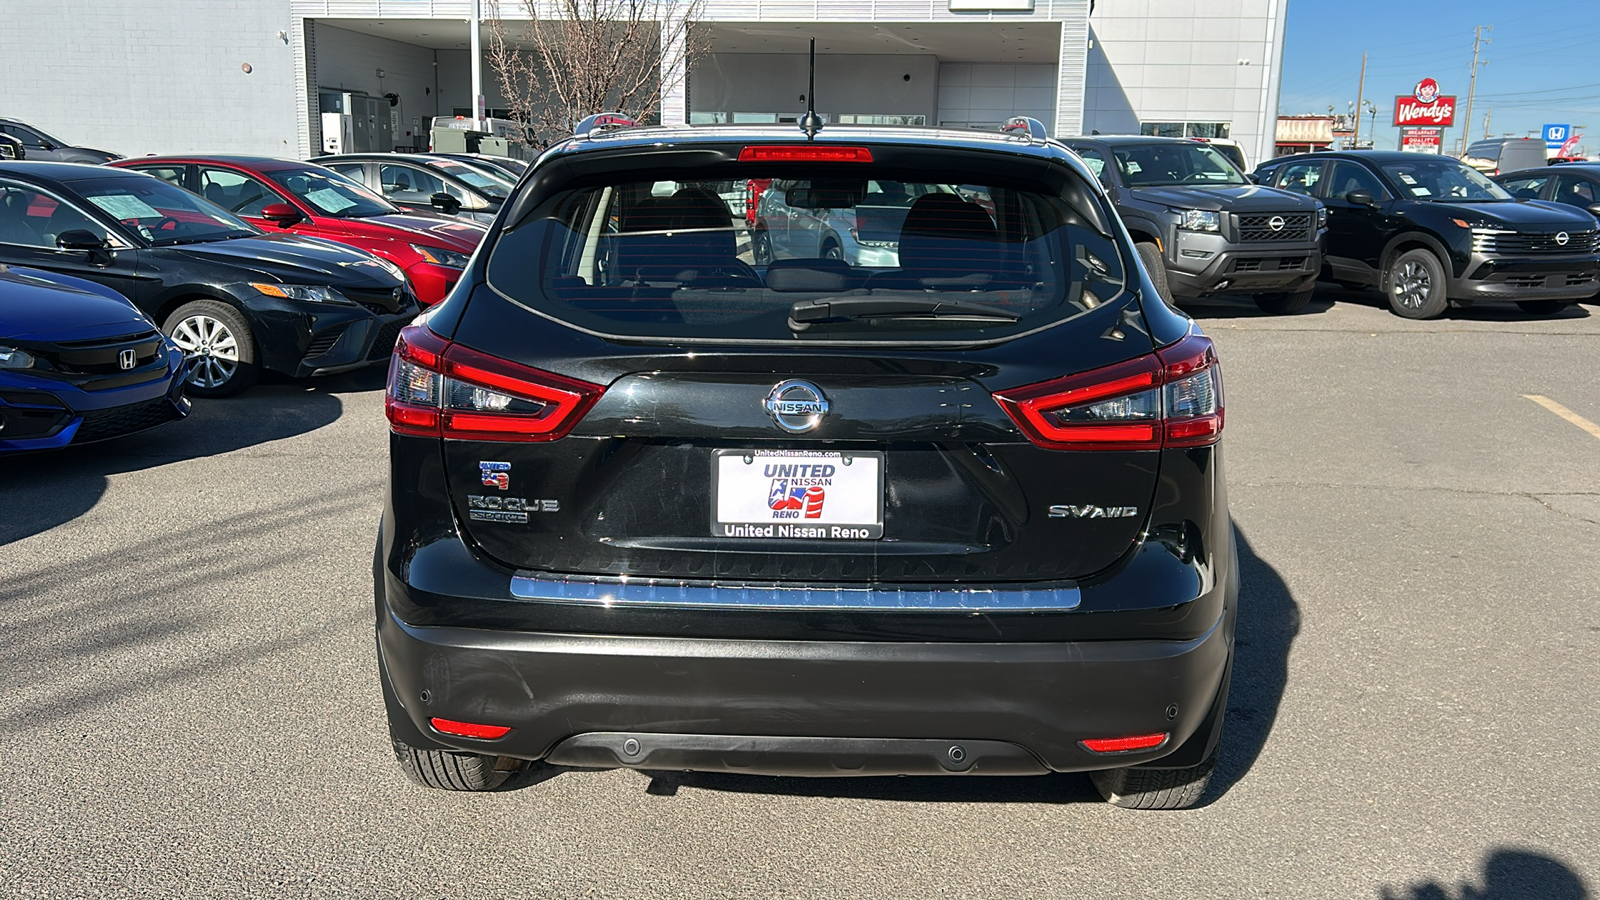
<point x="1415" y="286"/>
<point x="217" y="345"/>
<point x="761" y="248"/>
<point x="1151" y="257"/>
<point x="830" y="250"/>
<point x="1284" y="303"/>
<point x="1543" y="307"/>
<point x="1138" y="788"/>
<point x="449" y="771"/>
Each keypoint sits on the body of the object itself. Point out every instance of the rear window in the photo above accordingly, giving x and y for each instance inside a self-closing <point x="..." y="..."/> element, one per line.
<point x="874" y="259"/>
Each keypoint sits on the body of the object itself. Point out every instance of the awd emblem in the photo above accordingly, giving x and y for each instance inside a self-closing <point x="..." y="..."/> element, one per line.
<point x="1093" y="512"/>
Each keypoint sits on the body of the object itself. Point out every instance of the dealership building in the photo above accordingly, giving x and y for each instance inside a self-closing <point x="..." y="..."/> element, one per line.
<point x="257" y="76"/>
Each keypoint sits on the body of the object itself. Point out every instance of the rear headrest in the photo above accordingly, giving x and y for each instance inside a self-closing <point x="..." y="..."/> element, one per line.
<point x="812" y="275"/>
<point x="945" y="237"/>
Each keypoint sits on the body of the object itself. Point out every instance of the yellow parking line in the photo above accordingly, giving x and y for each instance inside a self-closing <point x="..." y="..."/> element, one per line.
<point x="1569" y="415"/>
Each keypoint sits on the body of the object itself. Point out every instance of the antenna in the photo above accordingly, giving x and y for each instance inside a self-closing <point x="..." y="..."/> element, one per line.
<point x="812" y="123"/>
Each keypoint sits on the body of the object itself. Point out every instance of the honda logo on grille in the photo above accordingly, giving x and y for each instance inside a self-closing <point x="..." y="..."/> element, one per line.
<point x="1276" y="223"/>
<point x="126" y="359"/>
<point x="796" y="406"/>
<point x="1561" y="239"/>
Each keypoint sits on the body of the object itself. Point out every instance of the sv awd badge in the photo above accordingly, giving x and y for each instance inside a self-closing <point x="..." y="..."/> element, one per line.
<point x="1093" y="512"/>
<point x="507" y="509"/>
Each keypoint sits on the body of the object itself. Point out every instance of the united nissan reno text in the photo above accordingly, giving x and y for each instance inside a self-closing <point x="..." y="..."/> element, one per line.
<point x="654" y="505"/>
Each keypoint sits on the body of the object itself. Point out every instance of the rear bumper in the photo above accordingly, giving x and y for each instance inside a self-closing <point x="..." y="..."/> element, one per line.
<point x="1495" y="278"/>
<point x="799" y="707"/>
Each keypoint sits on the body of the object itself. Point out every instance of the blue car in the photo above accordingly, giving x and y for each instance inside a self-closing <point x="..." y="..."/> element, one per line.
<point x="79" y="363"/>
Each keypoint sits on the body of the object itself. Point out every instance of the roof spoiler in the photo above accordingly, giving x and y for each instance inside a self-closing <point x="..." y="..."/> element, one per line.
<point x="1022" y="126"/>
<point x="602" y="122"/>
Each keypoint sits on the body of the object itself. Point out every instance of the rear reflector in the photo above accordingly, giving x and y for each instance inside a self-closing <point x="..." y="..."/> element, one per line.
<point x="1169" y="398"/>
<point x="805" y="153"/>
<point x="470" y="729"/>
<point x="440" y="389"/>
<point x="1124" y="744"/>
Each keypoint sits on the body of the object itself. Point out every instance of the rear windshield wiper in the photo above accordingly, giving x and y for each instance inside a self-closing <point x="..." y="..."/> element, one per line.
<point x="811" y="312"/>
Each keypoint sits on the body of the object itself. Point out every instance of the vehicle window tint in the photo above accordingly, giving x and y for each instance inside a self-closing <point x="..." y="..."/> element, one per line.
<point x="29" y="138"/>
<point x="405" y="184"/>
<point x="331" y="194"/>
<point x="670" y="259"/>
<point x="1575" y="191"/>
<point x="354" y="171"/>
<point x="1096" y="161"/>
<point x="33" y="218"/>
<point x="1348" y="176"/>
<point x="236" y="193"/>
<point x="1300" y="177"/>
<point x="1526" y="188"/>
<point x="159" y="212"/>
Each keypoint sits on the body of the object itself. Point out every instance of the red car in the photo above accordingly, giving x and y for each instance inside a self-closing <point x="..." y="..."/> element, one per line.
<point x="307" y="199"/>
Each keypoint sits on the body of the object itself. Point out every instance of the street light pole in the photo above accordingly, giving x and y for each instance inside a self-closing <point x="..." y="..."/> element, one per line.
<point x="1361" y="97"/>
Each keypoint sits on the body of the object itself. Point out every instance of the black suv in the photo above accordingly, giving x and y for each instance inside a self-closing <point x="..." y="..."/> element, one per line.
<point x="1202" y="227"/>
<point x="1429" y="231"/>
<point x="654" y="506"/>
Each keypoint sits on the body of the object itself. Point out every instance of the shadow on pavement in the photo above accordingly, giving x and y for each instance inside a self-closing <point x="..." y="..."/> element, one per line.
<point x="1507" y="875"/>
<point x="1240" y="306"/>
<point x="1269" y="620"/>
<point x="39" y="491"/>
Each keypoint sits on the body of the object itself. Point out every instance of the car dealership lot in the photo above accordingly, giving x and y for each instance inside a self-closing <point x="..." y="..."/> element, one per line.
<point x="192" y="704"/>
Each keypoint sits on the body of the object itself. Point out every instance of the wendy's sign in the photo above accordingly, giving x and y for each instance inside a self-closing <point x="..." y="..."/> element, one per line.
<point x="1425" y="107"/>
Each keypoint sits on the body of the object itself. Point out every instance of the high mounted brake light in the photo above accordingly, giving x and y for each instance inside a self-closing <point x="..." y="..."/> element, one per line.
<point x="440" y="389"/>
<point x="804" y="153"/>
<point x="1169" y="398"/>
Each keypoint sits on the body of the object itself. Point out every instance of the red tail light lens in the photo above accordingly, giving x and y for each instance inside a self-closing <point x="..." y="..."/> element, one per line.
<point x="805" y="153"/>
<point x="470" y="729"/>
<point x="1124" y="744"/>
<point x="1170" y="398"/>
<point x="440" y="389"/>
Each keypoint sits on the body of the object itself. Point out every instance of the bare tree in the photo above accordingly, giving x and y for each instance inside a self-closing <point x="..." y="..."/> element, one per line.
<point x="574" y="58"/>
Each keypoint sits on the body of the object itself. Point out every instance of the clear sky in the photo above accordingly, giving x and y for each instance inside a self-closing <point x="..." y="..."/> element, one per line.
<point x="1543" y="61"/>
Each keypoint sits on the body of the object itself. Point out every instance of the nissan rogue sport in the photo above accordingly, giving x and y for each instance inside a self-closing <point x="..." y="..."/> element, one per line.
<point x="654" y="505"/>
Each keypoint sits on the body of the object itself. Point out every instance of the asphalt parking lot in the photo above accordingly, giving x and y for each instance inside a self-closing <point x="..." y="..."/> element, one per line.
<point x="191" y="705"/>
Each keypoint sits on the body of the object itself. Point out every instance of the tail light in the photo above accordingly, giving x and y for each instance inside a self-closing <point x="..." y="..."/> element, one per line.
<point x="1170" y="398"/>
<point x="440" y="389"/>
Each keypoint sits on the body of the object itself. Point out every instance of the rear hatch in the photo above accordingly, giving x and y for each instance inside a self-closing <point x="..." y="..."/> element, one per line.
<point x="630" y="396"/>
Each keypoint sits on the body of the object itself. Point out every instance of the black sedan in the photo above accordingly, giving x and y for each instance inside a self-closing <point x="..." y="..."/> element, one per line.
<point x="427" y="181"/>
<point x="236" y="300"/>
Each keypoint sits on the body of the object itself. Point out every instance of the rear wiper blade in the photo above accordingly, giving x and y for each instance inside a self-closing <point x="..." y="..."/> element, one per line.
<point x="844" y="309"/>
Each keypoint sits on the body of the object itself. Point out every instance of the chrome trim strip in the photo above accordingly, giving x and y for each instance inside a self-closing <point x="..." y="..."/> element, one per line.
<point x="650" y="592"/>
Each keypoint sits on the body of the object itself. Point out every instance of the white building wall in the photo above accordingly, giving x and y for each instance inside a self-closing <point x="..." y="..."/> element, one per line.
<point x="991" y="93"/>
<point x="164" y="77"/>
<point x="862" y="84"/>
<point x="1186" y="61"/>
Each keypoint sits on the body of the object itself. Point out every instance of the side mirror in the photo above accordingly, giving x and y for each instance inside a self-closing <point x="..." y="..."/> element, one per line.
<point x="1360" y="198"/>
<point x="282" y="213"/>
<point x="80" y="239"/>
<point x="1250" y="177"/>
<point x="445" y="203"/>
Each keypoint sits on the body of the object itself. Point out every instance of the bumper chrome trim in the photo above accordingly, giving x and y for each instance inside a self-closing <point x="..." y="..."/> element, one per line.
<point x="623" y="591"/>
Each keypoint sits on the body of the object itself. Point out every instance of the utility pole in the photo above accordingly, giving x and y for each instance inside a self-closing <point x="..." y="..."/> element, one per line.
<point x="1486" y="114"/>
<point x="477" y="70"/>
<point x="1472" y="86"/>
<point x="1361" y="95"/>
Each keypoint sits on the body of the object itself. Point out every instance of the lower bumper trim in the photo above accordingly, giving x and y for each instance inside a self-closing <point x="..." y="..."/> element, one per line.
<point x="668" y="593"/>
<point x="794" y="756"/>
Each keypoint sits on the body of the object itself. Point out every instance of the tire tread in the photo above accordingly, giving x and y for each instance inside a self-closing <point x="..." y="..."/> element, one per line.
<point x="447" y="771"/>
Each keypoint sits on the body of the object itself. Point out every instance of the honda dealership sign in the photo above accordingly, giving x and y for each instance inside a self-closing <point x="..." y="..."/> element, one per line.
<point x="1425" y="107"/>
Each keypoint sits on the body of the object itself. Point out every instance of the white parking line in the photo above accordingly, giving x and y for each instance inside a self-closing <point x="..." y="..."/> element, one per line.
<point x="1569" y="415"/>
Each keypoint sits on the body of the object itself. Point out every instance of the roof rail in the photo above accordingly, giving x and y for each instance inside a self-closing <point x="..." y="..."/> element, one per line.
<point x="602" y="122"/>
<point x="1022" y="126"/>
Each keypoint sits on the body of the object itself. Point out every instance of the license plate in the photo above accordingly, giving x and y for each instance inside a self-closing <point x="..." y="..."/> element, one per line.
<point x="797" y="495"/>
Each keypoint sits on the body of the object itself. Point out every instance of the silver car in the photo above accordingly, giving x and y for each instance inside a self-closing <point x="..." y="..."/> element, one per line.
<point x="857" y="221"/>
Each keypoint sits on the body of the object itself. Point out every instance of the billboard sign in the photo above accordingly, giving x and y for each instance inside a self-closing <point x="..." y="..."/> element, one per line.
<point x="1425" y="107"/>
<point x="1556" y="135"/>
<point x="1422" y="140"/>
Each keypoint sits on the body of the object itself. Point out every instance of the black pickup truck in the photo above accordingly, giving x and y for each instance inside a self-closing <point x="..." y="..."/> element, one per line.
<point x="1203" y="227"/>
